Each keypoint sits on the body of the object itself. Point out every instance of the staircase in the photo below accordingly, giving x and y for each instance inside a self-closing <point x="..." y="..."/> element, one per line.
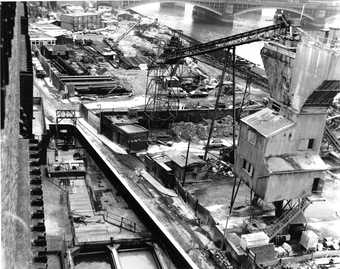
<point x="332" y="139"/>
<point x="286" y="218"/>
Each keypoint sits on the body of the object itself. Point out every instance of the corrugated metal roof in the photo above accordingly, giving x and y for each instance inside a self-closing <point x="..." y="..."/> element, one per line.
<point x="132" y="128"/>
<point x="293" y="163"/>
<point x="267" y="122"/>
<point x="324" y="94"/>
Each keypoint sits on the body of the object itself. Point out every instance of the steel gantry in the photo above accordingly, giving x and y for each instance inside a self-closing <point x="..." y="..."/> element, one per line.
<point x="170" y="61"/>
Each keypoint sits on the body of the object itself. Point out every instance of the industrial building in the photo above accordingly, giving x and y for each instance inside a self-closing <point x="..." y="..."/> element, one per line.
<point x="126" y="170"/>
<point x="80" y="21"/>
<point x="130" y="135"/>
<point x="274" y="147"/>
<point x="45" y="33"/>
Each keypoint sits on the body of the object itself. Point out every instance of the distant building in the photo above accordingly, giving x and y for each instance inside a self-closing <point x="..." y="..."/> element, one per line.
<point x="80" y="21"/>
<point x="40" y="39"/>
<point x="45" y="33"/>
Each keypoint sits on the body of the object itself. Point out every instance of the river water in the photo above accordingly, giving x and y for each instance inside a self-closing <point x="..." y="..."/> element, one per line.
<point x="181" y="18"/>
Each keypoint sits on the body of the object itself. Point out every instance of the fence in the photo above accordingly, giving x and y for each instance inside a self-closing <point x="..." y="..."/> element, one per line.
<point x="201" y="212"/>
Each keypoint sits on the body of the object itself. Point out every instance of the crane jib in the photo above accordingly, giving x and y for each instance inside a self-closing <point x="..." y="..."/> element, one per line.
<point x="230" y="41"/>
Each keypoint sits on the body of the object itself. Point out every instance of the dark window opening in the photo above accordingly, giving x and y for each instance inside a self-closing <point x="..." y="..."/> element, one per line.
<point x="317" y="185"/>
<point x="310" y="143"/>
<point x="244" y="165"/>
<point x="276" y="107"/>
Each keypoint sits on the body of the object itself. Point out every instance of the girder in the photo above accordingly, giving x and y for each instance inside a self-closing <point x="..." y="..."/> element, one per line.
<point x="227" y="42"/>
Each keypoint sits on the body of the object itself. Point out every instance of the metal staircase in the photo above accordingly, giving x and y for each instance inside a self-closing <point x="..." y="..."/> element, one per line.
<point x="286" y="218"/>
<point x="332" y="139"/>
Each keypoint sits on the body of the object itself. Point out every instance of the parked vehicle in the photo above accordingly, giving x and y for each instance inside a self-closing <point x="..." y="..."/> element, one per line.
<point x="198" y="94"/>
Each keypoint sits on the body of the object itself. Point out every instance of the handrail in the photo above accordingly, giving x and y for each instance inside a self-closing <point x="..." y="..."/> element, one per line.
<point x="286" y="218"/>
<point x="115" y="220"/>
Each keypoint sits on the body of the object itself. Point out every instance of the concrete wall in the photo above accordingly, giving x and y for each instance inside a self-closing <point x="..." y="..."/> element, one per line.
<point x="295" y="139"/>
<point x="310" y="124"/>
<point x="254" y="154"/>
<point x="293" y="77"/>
<point x="314" y="63"/>
<point x="11" y="164"/>
<point x="278" y="68"/>
<point x="286" y="186"/>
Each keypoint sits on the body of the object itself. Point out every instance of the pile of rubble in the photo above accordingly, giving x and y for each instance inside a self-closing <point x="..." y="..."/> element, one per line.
<point x="200" y="131"/>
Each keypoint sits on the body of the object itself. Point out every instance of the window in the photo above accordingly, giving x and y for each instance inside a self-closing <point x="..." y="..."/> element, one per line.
<point x="317" y="185"/>
<point x="251" y="137"/>
<point x="310" y="143"/>
<point x="276" y="107"/>
<point x="248" y="167"/>
<point x="305" y="144"/>
<point x="251" y="170"/>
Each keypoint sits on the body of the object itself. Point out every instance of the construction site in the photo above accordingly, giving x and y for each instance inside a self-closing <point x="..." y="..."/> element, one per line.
<point x="129" y="144"/>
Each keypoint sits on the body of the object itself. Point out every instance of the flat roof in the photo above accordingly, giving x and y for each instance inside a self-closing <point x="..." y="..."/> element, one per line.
<point x="132" y="128"/>
<point x="291" y="163"/>
<point x="48" y="28"/>
<point x="192" y="159"/>
<point x="80" y="14"/>
<point x="161" y="159"/>
<point x="267" y="122"/>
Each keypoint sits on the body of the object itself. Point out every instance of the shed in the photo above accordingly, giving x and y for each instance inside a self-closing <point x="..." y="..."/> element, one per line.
<point x="159" y="165"/>
<point x="194" y="170"/>
<point x="132" y="136"/>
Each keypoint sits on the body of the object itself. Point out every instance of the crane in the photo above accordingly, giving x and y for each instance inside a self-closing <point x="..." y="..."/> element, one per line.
<point x="172" y="56"/>
<point x="174" y="53"/>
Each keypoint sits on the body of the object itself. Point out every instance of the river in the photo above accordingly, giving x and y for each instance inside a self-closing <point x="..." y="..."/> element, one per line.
<point x="181" y="18"/>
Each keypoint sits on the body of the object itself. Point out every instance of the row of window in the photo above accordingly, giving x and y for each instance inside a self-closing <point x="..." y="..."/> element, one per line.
<point x="49" y="42"/>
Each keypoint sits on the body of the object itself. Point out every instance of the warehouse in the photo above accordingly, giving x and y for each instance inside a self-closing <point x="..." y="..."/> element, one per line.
<point x="130" y="135"/>
<point x="80" y="21"/>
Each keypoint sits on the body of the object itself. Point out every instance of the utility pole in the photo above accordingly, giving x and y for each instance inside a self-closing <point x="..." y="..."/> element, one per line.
<point x="226" y="60"/>
<point x="234" y="191"/>
<point x="186" y="162"/>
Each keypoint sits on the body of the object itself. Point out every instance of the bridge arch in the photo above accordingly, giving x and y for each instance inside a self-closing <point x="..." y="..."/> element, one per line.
<point x="135" y="4"/>
<point x="283" y="8"/>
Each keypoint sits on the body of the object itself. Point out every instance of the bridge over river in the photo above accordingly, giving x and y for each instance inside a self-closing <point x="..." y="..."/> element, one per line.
<point x="316" y="11"/>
